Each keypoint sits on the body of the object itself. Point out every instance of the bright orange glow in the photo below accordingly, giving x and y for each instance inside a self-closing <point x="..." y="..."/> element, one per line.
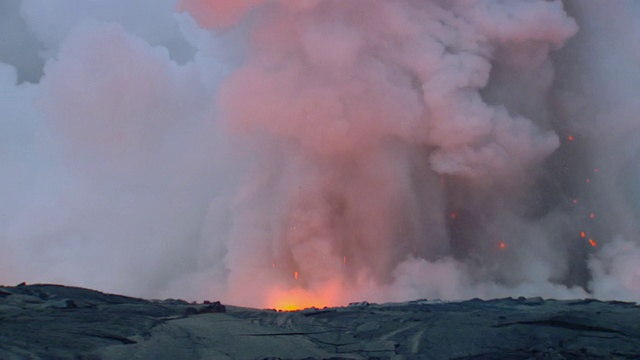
<point x="295" y="299"/>
<point x="583" y="234"/>
<point x="295" y="275"/>
<point x="592" y="242"/>
<point x="570" y="138"/>
<point x="502" y="245"/>
<point x="298" y="298"/>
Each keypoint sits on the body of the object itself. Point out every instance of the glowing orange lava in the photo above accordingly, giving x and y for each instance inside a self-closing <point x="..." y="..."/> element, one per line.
<point x="295" y="275"/>
<point x="298" y="298"/>
<point x="570" y="138"/>
<point x="583" y="234"/>
<point x="592" y="242"/>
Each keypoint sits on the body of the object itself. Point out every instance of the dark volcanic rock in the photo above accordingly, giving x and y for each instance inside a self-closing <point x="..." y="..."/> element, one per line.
<point x="190" y="311"/>
<point x="210" y="308"/>
<point x="57" y="322"/>
<point x="214" y="307"/>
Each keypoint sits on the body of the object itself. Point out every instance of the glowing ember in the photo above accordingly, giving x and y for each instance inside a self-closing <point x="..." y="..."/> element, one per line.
<point x="574" y="201"/>
<point x="583" y="234"/>
<point x="592" y="216"/>
<point x="295" y="275"/>
<point x="454" y="215"/>
<point x="570" y="138"/>
<point x="592" y="242"/>
<point x="588" y="180"/>
<point x="502" y="245"/>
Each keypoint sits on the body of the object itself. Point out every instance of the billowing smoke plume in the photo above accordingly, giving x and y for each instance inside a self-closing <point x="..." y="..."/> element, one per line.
<point x="321" y="151"/>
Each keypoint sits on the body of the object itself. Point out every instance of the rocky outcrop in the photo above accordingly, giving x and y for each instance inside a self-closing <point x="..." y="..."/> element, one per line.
<point x="58" y="322"/>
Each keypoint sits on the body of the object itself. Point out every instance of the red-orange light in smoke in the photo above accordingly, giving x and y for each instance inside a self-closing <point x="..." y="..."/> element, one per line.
<point x="298" y="298"/>
<point x="583" y="234"/>
<point x="295" y="275"/>
<point x="454" y="215"/>
<point x="592" y="242"/>
<point x="502" y="245"/>
<point x="570" y="138"/>
<point x="344" y="260"/>
<point x="295" y="299"/>
<point x="588" y="180"/>
<point x="596" y="170"/>
<point x="574" y="201"/>
<point x="592" y="216"/>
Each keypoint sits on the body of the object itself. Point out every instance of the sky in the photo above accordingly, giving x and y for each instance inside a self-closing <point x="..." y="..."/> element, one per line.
<point x="288" y="153"/>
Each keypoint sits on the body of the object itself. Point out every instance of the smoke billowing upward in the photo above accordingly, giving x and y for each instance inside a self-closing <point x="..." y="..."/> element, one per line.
<point x="287" y="153"/>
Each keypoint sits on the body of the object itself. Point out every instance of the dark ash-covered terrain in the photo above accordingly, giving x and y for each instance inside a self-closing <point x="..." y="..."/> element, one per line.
<point x="59" y="322"/>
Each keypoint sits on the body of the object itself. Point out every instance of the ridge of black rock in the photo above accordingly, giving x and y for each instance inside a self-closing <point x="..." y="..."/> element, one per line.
<point x="46" y="321"/>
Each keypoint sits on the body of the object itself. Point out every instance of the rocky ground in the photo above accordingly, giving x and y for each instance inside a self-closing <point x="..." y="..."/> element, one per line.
<point x="58" y="322"/>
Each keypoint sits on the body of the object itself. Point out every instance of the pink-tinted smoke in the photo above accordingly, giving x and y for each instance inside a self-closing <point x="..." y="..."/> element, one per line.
<point x="289" y="153"/>
<point x="356" y="115"/>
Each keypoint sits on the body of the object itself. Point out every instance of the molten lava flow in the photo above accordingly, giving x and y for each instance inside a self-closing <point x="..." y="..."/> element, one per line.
<point x="298" y="298"/>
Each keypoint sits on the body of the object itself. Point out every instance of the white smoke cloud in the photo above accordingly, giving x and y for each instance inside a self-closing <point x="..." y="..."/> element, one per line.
<point x="616" y="275"/>
<point x="52" y="22"/>
<point x="318" y="152"/>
